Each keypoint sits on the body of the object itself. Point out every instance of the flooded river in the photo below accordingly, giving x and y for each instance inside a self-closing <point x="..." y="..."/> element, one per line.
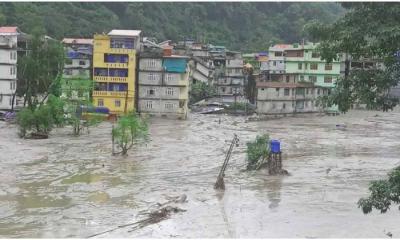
<point x="68" y="186"/>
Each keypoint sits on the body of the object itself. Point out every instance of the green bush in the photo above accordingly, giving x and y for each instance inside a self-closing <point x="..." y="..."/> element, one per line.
<point x="39" y="120"/>
<point x="257" y="150"/>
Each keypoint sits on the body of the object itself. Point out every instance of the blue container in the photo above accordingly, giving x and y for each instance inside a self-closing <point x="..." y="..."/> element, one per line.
<point x="275" y="146"/>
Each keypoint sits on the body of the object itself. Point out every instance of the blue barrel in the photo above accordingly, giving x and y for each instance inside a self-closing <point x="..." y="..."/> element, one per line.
<point x="275" y="146"/>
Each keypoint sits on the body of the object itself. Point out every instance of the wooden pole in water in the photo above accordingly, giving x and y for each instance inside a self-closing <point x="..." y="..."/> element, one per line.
<point x="220" y="180"/>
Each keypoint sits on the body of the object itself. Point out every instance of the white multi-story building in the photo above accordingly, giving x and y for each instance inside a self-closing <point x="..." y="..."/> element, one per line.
<point x="8" y="67"/>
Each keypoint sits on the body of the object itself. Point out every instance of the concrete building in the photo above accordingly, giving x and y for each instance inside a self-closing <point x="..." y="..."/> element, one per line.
<point x="306" y="61"/>
<point x="77" y="76"/>
<point x="276" y="58"/>
<point x="8" y="66"/>
<point x="283" y="94"/>
<point x="114" y="69"/>
<point x="231" y="82"/>
<point x="163" y="84"/>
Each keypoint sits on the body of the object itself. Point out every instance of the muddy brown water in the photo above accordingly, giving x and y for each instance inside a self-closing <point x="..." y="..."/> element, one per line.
<point x="69" y="186"/>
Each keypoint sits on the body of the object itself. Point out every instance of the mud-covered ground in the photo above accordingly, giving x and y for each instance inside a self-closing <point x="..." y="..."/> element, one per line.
<point x="68" y="186"/>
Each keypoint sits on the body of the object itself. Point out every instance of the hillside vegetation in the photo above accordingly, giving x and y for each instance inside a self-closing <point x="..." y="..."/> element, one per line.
<point x="238" y="25"/>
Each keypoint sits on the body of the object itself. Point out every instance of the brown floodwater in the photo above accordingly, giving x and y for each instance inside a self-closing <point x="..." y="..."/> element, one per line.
<point x="68" y="186"/>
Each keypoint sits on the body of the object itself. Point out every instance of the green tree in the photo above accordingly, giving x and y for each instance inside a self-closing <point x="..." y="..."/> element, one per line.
<point x="130" y="128"/>
<point x="384" y="193"/>
<point x="367" y="30"/>
<point x="40" y="69"/>
<point x="200" y="91"/>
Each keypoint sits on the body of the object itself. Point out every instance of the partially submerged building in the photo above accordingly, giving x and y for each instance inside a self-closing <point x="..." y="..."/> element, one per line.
<point x="283" y="94"/>
<point x="114" y="70"/>
<point x="163" y="84"/>
<point x="8" y="66"/>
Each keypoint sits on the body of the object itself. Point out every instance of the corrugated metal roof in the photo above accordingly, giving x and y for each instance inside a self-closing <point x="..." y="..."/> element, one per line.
<point x="78" y="41"/>
<point x="9" y="30"/>
<point x="282" y="84"/>
<point x="126" y="33"/>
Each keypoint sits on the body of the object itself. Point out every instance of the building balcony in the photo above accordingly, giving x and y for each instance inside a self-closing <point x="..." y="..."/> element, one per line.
<point x="101" y="64"/>
<point x="121" y="50"/>
<point x="110" y="79"/>
<point x="110" y="94"/>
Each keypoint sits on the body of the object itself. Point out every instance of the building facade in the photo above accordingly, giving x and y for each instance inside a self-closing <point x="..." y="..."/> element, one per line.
<point x="114" y="70"/>
<point x="8" y="67"/>
<point x="276" y="58"/>
<point x="77" y="82"/>
<point x="305" y="61"/>
<point x="163" y="85"/>
<point x="283" y="94"/>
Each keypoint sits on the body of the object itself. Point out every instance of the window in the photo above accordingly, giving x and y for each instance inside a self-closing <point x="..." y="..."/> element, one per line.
<point x="151" y="77"/>
<point x="284" y="106"/>
<point x="82" y="62"/>
<point x="278" y="54"/>
<point x="100" y="102"/>
<point x="300" y="66"/>
<point x="181" y="103"/>
<point x="318" y="91"/>
<point x="306" y="90"/>
<point x="149" y="104"/>
<point x="327" y="79"/>
<point x="115" y="87"/>
<point x="151" y="63"/>
<point x="328" y="66"/>
<point x="11" y="55"/>
<point x="305" y="65"/>
<point x="312" y="79"/>
<point x="274" y="63"/>
<point x="169" y="106"/>
<point x="11" y="85"/>
<point x="223" y="89"/>
<point x="287" y="78"/>
<point x="151" y="92"/>
<point x="287" y="92"/>
<point x="169" y="91"/>
<point x="169" y="78"/>
<point x="277" y="91"/>
<point x="301" y="78"/>
<point x="11" y="70"/>
<point x="315" y="55"/>
<point x="273" y="105"/>
<point x="306" y="103"/>
<point x="117" y="103"/>
<point x="299" y="54"/>
<point x="314" y="66"/>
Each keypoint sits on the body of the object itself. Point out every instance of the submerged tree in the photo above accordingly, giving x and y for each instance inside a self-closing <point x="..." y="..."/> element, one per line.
<point x="384" y="193"/>
<point x="129" y="130"/>
<point x="41" y="119"/>
<point x="368" y="30"/>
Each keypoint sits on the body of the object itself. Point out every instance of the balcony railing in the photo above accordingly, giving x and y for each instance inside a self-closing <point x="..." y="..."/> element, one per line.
<point x="110" y="94"/>
<point x="110" y="79"/>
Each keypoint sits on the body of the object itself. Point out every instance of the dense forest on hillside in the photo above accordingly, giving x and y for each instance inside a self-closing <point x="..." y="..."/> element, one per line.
<point x="238" y="25"/>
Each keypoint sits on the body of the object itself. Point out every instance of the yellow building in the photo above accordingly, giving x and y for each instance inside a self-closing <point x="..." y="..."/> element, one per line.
<point x="114" y="70"/>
